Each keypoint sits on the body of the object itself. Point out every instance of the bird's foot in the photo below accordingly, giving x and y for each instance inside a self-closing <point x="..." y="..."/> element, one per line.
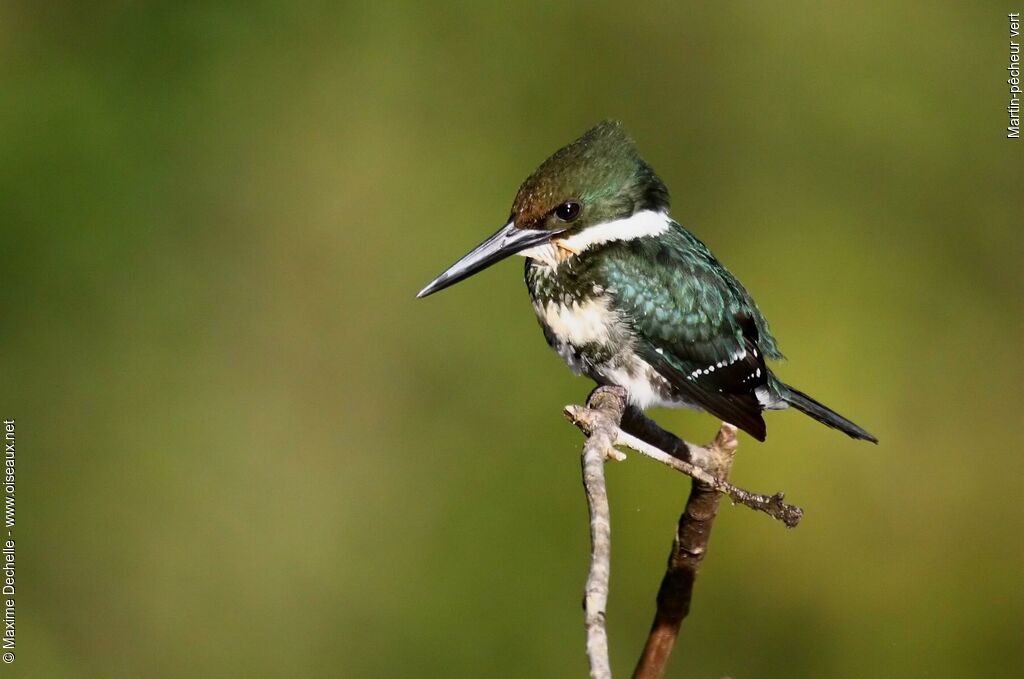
<point x="615" y="454"/>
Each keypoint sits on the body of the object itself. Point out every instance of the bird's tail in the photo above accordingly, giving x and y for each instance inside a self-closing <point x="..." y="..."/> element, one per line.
<point x="822" y="413"/>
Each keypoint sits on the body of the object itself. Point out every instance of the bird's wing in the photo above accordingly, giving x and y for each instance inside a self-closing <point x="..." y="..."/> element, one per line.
<point x="691" y="326"/>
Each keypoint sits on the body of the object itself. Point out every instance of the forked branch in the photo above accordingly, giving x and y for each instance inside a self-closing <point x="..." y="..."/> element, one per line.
<point x="607" y="422"/>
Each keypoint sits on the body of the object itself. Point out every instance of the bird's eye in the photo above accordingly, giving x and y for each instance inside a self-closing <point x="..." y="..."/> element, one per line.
<point x="568" y="211"/>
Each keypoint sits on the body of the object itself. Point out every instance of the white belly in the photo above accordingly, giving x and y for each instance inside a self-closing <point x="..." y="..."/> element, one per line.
<point x="646" y="388"/>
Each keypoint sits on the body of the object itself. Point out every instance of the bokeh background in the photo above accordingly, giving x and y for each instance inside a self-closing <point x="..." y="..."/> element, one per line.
<point x="246" y="450"/>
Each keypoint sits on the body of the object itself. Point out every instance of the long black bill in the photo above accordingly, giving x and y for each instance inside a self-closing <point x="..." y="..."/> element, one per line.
<point x="507" y="241"/>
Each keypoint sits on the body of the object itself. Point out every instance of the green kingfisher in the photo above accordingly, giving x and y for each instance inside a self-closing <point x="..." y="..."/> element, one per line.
<point x="630" y="298"/>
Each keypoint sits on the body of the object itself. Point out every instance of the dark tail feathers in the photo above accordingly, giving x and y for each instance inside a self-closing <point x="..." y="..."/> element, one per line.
<point x="823" y="413"/>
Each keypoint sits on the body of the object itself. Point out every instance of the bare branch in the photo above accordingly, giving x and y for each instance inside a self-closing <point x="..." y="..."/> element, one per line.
<point x="607" y="422"/>
<point x="688" y="550"/>
<point x="772" y="505"/>
<point x="604" y="412"/>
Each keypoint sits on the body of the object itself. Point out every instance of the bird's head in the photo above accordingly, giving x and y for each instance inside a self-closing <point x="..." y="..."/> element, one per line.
<point x="594" y="181"/>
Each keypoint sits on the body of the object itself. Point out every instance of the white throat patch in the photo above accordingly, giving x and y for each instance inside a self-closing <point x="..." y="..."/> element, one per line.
<point x="642" y="224"/>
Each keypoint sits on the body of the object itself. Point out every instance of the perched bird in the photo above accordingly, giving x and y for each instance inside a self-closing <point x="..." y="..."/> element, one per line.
<point x="630" y="298"/>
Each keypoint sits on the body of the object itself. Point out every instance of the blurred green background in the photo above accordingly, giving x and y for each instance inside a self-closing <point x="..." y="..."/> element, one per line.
<point x="246" y="450"/>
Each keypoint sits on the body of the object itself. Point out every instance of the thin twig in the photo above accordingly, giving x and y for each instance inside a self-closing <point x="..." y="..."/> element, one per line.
<point x="605" y="407"/>
<point x="772" y="505"/>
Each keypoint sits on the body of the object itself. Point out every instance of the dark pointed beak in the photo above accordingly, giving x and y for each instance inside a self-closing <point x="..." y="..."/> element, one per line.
<point x="507" y="241"/>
